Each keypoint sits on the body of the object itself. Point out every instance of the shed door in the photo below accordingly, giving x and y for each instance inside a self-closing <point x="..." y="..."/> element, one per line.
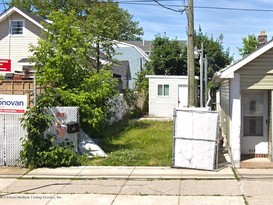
<point x="182" y="96"/>
<point x="254" y="122"/>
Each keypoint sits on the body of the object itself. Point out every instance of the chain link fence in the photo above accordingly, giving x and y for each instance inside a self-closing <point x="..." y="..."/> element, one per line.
<point x="195" y="142"/>
<point x="11" y="134"/>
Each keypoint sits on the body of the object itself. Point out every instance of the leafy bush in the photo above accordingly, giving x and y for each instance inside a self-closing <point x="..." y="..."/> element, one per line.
<point x="39" y="151"/>
<point x="59" y="155"/>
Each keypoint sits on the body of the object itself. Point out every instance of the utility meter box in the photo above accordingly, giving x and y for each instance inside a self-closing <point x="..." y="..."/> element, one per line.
<point x="73" y="127"/>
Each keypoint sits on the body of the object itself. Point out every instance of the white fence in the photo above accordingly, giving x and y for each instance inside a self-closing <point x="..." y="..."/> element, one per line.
<point x="119" y="108"/>
<point x="11" y="133"/>
<point x="195" y="139"/>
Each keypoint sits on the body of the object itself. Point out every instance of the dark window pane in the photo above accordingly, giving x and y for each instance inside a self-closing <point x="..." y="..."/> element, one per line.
<point x="159" y="90"/>
<point x="166" y="89"/>
<point x="253" y="126"/>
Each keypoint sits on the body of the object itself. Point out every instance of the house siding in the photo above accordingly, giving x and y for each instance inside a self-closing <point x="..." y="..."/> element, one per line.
<point x="257" y="82"/>
<point x="17" y="47"/>
<point x="258" y="74"/>
<point x="163" y="106"/>
<point x="134" y="58"/>
<point x="270" y="125"/>
<point x="224" y="113"/>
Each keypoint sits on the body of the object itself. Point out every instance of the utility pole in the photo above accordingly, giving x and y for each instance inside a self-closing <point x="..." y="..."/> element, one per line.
<point x="190" y="60"/>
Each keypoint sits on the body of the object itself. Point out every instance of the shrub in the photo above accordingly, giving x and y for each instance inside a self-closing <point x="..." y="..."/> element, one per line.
<point x="39" y="151"/>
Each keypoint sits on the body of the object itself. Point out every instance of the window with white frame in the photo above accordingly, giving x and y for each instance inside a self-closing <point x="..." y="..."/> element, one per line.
<point x="163" y="90"/>
<point x="16" y="27"/>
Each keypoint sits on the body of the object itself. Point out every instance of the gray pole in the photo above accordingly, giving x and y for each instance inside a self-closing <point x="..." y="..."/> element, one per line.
<point x="201" y="76"/>
<point x="34" y="90"/>
<point x="190" y="60"/>
<point x="206" y="79"/>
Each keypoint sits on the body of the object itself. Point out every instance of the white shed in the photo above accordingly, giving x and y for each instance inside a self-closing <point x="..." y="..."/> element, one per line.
<point x="167" y="93"/>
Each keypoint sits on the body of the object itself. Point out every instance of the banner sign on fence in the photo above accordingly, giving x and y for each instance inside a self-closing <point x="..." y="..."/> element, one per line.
<point x="13" y="104"/>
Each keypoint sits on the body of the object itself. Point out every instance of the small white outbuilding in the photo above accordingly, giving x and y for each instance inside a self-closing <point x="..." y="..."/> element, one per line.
<point x="167" y="93"/>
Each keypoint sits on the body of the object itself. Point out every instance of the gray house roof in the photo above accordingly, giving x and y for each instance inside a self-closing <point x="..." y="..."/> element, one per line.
<point x="146" y="46"/>
<point x="38" y="19"/>
<point x="122" y="69"/>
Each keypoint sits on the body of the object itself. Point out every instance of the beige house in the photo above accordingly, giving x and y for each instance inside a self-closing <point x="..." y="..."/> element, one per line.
<point x="246" y="91"/>
<point x="18" y="29"/>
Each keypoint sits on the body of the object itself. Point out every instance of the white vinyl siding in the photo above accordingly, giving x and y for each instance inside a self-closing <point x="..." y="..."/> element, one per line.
<point x="224" y="104"/>
<point x="16" y="47"/>
<point x="257" y="81"/>
<point x="258" y="74"/>
<point x="270" y="124"/>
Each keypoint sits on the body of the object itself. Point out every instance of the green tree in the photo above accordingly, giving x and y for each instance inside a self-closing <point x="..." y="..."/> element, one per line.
<point x="250" y="44"/>
<point x="175" y="61"/>
<point x="104" y="20"/>
<point x="217" y="56"/>
<point x="103" y="14"/>
<point x="64" y="66"/>
<point x="108" y="22"/>
<point x="167" y="57"/>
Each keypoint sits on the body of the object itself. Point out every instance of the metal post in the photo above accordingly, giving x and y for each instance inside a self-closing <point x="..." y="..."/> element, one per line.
<point x="201" y="76"/>
<point x="206" y="79"/>
<point x="34" y="91"/>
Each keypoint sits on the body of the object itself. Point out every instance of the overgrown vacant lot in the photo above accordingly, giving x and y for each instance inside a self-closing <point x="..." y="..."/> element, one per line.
<point x="136" y="143"/>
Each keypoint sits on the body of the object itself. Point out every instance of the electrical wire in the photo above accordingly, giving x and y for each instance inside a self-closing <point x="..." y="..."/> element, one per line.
<point x="167" y="7"/>
<point x="196" y="7"/>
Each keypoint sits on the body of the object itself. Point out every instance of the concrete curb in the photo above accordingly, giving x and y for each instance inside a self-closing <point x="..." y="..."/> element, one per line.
<point x="130" y="173"/>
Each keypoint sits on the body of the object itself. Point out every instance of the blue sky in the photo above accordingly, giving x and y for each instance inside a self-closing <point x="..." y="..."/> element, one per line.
<point x="232" y="24"/>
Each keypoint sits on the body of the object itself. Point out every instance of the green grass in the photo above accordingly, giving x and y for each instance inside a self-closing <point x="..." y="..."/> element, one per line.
<point x="136" y="143"/>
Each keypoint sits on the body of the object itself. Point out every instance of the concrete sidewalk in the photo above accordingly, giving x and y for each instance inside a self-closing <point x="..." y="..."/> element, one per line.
<point x="121" y="185"/>
<point x="135" y="185"/>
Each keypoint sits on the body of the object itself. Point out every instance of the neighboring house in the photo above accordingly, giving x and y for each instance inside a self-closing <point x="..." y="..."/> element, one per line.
<point x="246" y="92"/>
<point x="136" y="57"/>
<point x="167" y="93"/>
<point x="137" y="53"/>
<point x="18" y="30"/>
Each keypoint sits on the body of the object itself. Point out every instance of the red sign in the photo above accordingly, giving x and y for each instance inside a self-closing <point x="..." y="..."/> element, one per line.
<point x="60" y="114"/>
<point x="11" y="111"/>
<point x="5" y="65"/>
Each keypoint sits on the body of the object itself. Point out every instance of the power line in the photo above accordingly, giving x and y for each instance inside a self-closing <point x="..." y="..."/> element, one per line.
<point x="233" y="9"/>
<point x="196" y="7"/>
<point x="167" y="7"/>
